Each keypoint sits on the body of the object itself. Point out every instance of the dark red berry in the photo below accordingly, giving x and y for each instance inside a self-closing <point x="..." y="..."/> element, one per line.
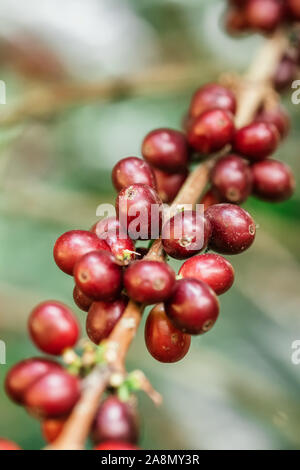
<point x="132" y="170"/>
<point x="276" y="115"/>
<point x="24" y="374"/>
<point x="272" y="181"/>
<point x="102" y="318"/>
<point x="212" y="96"/>
<point x="294" y="8"/>
<point x="52" y="428"/>
<point x="81" y="300"/>
<point x="236" y="21"/>
<point x="115" y="421"/>
<point x="212" y="269"/>
<point x="185" y="234"/>
<point x="233" y="229"/>
<point x="139" y="209"/>
<point x="193" y="306"/>
<point x="70" y="246"/>
<point x="5" y="444"/>
<point x="232" y="179"/>
<point x="53" y="327"/>
<point x="120" y="244"/>
<point x="285" y="73"/>
<point x="115" y="445"/>
<point x="166" y="149"/>
<point x="168" y="184"/>
<point x="165" y="342"/>
<point x="149" y="282"/>
<point x="98" y="275"/>
<point x="256" y="141"/>
<point x="104" y="225"/>
<point x="211" y="131"/>
<point x="264" y="15"/>
<point x="210" y="198"/>
<point x="53" y="395"/>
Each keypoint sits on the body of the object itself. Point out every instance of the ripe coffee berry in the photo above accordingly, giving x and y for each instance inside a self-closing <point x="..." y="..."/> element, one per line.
<point x="210" y="197"/>
<point x="102" y="318"/>
<point x="185" y="234"/>
<point x="277" y="116"/>
<point x="115" y="421"/>
<point x="98" y="275"/>
<point x="139" y="209"/>
<point x="51" y="428"/>
<point x="212" y="96"/>
<point x="81" y="300"/>
<point x="232" y="178"/>
<point x="5" y="444"/>
<point x="233" y="229"/>
<point x="24" y="374"/>
<point x="53" y="327"/>
<point x="168" y="184"/>
<point x="53" y="395"/>
<point x="70" y="246"/>
<point x="149" y="282"/>
<point x="212" y="269"/>
<point x="236" y="21"/>
<point x="285" y="73"/>
<point x="256" y="141"/>
<point x="132" y="170"/>
<point x="115" y="445"/>
<point x="193" y="306"/>
<point x="272" y="181"/>
<point x="264" y="15"/>
<point x="120" y="244"/>
<point x="104" y="225"/>
<point x="166" y="149"/>
<point x="294" y="8"/>
<point x="165" y="342"/>
<point x="211" y="131"/>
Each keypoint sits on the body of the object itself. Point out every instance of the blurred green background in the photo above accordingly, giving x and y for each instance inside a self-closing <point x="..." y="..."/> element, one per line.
<point x="237" y="388"/>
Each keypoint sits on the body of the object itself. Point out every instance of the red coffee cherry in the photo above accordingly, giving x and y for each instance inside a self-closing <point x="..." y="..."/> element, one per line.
<point x="232" y="178"/>
<point x="185" y="234"/>
<point x="115" y="445"/>
<point x="211" y="131"/>
<point x="104" y="225"/>
<point x="193" y="306"/>
<point x="169" y="184"/>
<point x="102" y="318"/>
<point x="285" y="73"/>
<point x="5" y="444"/>
<point x="256" y="141"/>
<point x="210" y="197"/>
<point x="115" y="421"/>
<point x="264" y="15"/>
<point x="51" y="428"/>
<point x="212" y="96"/>
<point x="53" y="327"/>
<point x="132" y="170"/>
<point x="120" y="244"/>
<point x="233" y="229"/>
<point x="166" y="149"/>
<point x="272" y="181"/>
<point x="139" y="209"/>
<point x="149" y="282"/>
<point x="294" y="8"/>
<point x="81" y="300"/>
<point x="236" y="21"/>
<point x="24" y="374"/>
<point x="276" y="115"/>
<point x="212" y="269"/>
<point x="53" y="395"/>
<point x="98" y="275"/>
<point x="70" y="246"/>
<point x="165" y="342"/>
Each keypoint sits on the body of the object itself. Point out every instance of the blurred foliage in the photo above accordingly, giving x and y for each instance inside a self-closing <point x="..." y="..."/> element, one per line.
<point x="237" y="388"/>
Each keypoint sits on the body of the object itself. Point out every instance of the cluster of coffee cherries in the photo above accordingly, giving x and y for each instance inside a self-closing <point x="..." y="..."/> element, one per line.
<point x="265" y="16"/>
